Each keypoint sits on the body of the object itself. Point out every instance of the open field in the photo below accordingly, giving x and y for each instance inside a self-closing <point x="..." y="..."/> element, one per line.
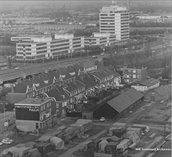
<point x="157" y="112"/>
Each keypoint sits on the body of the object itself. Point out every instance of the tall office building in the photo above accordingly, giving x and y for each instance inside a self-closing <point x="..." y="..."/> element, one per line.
<point x="115" y="20"/>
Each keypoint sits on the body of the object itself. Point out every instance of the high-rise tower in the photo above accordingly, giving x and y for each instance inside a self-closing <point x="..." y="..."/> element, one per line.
<point x="115" y="20"/>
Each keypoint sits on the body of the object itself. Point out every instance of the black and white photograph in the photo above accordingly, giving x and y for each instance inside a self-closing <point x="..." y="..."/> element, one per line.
<point x="85" y="78"/>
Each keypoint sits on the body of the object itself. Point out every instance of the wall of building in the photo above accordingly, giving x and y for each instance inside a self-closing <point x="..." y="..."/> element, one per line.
<point x="114" y="20"/>
<point x="140" y="88"/>
<point x="154" y="86"/>
<point x="26" y="126"/>
<point x="47" y="49"/>
<point x="105" y="111"/>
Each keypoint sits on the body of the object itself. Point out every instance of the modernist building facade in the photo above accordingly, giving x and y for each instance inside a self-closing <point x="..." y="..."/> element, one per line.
<point x="114" y="20"/>
<point x="40" y="47"/>
<point x="104" y="39"/>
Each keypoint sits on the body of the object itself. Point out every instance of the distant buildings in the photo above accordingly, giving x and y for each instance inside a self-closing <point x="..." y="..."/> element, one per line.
<point x="131" y="75"/>
<point x="114" y="20"/>
<point x="53" y="28"/>
<point x="34" y="114"/>
<point x="24" y="20"/>
<point x="154" y="18"/>
<point x="113" y="27"/>
<point x="41" y="47"/>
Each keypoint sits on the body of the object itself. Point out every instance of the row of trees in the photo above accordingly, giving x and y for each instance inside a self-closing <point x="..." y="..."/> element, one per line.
<point x="138" y="60"/>
<point x="6" y="40"/>
<point x="88" y="31"/>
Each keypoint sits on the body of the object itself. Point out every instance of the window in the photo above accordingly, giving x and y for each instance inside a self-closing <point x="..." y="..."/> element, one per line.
<point x="59" y="41"/>
<point x="134" y="76"/>
<point x="57" y="105"/>
<point x="43" y="106"/>
<point x="134" y="71"/>
<point x="41" y="44"/>
<point x="37" y="126"/>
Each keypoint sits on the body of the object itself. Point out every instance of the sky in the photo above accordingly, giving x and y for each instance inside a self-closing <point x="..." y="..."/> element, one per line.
<point x="14" y="4"/>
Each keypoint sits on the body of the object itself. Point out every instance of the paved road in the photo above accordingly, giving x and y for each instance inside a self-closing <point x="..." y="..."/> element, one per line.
<point x="72" y="150"/>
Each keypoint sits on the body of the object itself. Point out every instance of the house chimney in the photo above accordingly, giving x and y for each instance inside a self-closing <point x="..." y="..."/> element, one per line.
<point x="12" y="88"/>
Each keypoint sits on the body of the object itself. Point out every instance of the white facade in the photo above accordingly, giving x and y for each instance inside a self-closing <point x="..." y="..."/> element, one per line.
<point x="64" y="36"/>
<point x="32" y="38"/>
<point x="114" y="20"/>
<point x="40" y="48"/>
<point x="143" y="88"/>
<point x="105" y="39"/>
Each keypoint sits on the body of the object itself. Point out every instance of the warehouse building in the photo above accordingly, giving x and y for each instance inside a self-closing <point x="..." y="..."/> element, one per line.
<point x="117" y="106"/>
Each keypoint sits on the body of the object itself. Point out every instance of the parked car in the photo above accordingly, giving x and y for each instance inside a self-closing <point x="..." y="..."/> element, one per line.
<point x="7" y="141"/>
<point x="102" y="119"/>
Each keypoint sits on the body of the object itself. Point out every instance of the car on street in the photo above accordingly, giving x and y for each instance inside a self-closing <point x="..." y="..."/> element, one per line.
<point x="94" y="57"/>
<point x="102" y="119"/>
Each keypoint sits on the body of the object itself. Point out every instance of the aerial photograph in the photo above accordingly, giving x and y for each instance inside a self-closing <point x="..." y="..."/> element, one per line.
<point x="85" y="78"/>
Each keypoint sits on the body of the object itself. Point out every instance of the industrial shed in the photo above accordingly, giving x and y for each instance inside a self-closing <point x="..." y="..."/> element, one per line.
<point x="146" y="85"/>
<point x="116" y="106"/>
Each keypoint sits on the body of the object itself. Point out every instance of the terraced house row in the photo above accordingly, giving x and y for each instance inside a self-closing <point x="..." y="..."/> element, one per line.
<point x="65" y="85"/>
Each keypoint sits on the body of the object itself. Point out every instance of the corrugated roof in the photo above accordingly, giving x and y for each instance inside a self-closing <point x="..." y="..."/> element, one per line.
<point x="125" y="99"/>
